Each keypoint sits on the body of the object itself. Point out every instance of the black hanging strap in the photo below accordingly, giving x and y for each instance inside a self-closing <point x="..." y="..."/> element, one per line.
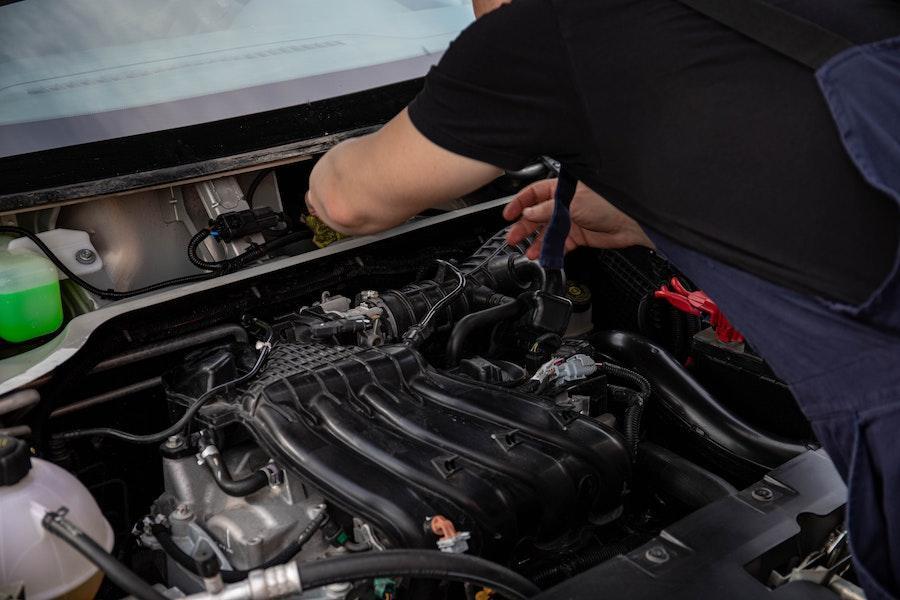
<point x="793" y="36"/>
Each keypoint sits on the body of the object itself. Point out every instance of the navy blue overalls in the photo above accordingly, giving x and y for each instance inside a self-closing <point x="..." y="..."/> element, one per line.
<point x="842" y="362"/>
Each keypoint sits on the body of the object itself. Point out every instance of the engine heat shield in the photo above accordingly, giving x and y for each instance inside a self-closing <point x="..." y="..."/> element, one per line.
<point x="392" y="440"/>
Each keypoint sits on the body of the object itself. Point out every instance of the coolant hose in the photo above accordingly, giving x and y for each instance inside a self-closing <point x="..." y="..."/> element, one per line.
<point x="233" y="487"/>
<point x="425" y="564"/>
<point x="692" y="410"/>
<point x="57" y="524"/>
<point x="475" y="321"/>
<point x="688" y="482"/>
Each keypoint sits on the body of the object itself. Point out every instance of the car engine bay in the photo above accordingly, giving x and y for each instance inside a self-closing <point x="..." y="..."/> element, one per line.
<point x="424" y="396"/>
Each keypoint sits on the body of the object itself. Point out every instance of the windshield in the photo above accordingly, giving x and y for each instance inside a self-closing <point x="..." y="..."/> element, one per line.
<point x="86" y="70"/>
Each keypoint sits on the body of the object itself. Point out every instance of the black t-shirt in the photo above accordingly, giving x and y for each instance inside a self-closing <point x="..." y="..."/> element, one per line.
<point x="691" y="128"/>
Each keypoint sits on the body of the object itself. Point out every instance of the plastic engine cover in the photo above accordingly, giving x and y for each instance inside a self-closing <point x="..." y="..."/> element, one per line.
<point x="393" y="441"/>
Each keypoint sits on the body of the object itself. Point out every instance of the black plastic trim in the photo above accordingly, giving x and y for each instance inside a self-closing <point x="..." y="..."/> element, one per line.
<point x="129" y="163"/>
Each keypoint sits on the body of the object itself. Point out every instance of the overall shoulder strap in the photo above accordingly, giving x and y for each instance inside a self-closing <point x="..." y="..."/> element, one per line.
<point x="793" y="36"/>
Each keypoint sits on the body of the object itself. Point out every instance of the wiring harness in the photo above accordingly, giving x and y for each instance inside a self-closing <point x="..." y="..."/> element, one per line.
<point x="266" y="343"/>
<point x="225" y="227"/>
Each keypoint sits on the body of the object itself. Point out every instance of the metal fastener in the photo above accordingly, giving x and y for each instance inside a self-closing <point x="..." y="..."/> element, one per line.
<point x="763" y="494"/>
<point x="86" y="256"/>
<point x="657" y="554"/>
<point x="173" y="442"/>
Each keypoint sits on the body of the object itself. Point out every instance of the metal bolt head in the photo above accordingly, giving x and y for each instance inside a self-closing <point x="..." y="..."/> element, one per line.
<point x="657" y="555"/>
<point x="763" y="494"/>
<point x="86" y="256"/>
<point x="337" y="591"/>
<point x="173" y="442"/>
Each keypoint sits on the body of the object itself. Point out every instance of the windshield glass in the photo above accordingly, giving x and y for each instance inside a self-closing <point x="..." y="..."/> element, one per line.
<point x="85" y="70"/>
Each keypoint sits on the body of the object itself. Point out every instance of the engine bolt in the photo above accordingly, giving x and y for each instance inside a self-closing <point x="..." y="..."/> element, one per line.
<point x="173" y="442"/>
<point x="86" y="256"/>
<point x="182" y="512"/>
<point x="657" y="554"/>
<point x="337" y="591"/>
<point x="763" y="494"/>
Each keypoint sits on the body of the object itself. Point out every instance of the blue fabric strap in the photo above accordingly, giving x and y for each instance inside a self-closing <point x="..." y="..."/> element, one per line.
<point x="553" y="250"/>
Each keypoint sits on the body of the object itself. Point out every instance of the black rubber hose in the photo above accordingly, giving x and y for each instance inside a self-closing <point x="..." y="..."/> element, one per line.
<point x="357" y="546"/>
<point x="416" y="334"/>
<point x="185" y="560"/>
<point x="703" y="420"/>
<point x="475" y="321"/>
<point x="119" y="574"/>
<point x="424" y="564"/>
<point x="234" y="487"/>
<point x="185" y="420"/>
<point x="686" y="481"/>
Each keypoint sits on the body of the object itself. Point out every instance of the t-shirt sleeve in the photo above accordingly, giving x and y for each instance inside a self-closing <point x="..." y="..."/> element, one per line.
<point x="503" y="92"/>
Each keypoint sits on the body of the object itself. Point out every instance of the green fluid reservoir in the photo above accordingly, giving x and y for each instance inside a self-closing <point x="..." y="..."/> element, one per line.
<point x="30" y="304"/>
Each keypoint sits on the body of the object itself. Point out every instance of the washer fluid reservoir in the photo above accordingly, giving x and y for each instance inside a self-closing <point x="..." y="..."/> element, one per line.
<point x="30" y="556"/>
<point x="30" y="304"/>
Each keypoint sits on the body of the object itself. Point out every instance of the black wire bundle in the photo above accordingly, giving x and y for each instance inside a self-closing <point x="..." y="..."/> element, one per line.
<point x="108" y="294"/>
<point x="190" y="413"/>
<point x="230" y="265"/>
<point x="213" y="268"/>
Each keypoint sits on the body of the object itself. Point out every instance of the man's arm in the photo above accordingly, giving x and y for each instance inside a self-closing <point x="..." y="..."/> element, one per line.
<point x="378" y="181"/>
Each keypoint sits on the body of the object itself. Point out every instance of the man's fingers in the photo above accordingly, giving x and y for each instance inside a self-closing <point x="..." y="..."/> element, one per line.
<point x="534" y="250"/>
<point x="535" y="193"/>
<point x="532" y="218"/>
<point x="520" y="230"/>
<point x="540" y="213"/>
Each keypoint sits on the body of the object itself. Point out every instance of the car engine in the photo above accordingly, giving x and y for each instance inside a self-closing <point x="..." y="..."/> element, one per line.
<point x="383" y="407"/>
<point x="359" y="421"/>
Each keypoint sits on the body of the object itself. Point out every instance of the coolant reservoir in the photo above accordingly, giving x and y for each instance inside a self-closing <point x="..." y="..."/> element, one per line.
<point x="30" y="555"/>
<point x="30" y="304"/>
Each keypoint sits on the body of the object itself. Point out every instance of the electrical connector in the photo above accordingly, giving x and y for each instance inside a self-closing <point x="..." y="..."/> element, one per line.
<point x="232" y="225"/>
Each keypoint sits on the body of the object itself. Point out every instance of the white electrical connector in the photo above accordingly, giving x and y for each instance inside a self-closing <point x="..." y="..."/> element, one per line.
<point x="577" y="366"/>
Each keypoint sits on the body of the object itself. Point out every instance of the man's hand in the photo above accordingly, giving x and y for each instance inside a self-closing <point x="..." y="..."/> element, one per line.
<point x="595" y="222"/>
<point x="482" y="7"/>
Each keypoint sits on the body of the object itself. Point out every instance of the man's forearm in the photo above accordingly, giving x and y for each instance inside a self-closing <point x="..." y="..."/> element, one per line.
<point x="377" y="181"/>
<point x="335" y="194"/>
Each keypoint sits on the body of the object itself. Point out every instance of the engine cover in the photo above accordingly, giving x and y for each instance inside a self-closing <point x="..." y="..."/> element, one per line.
<point x="393" y="441"/>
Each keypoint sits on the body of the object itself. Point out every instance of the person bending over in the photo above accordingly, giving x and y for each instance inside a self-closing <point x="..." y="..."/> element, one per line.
<point x="689" y="136"/>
